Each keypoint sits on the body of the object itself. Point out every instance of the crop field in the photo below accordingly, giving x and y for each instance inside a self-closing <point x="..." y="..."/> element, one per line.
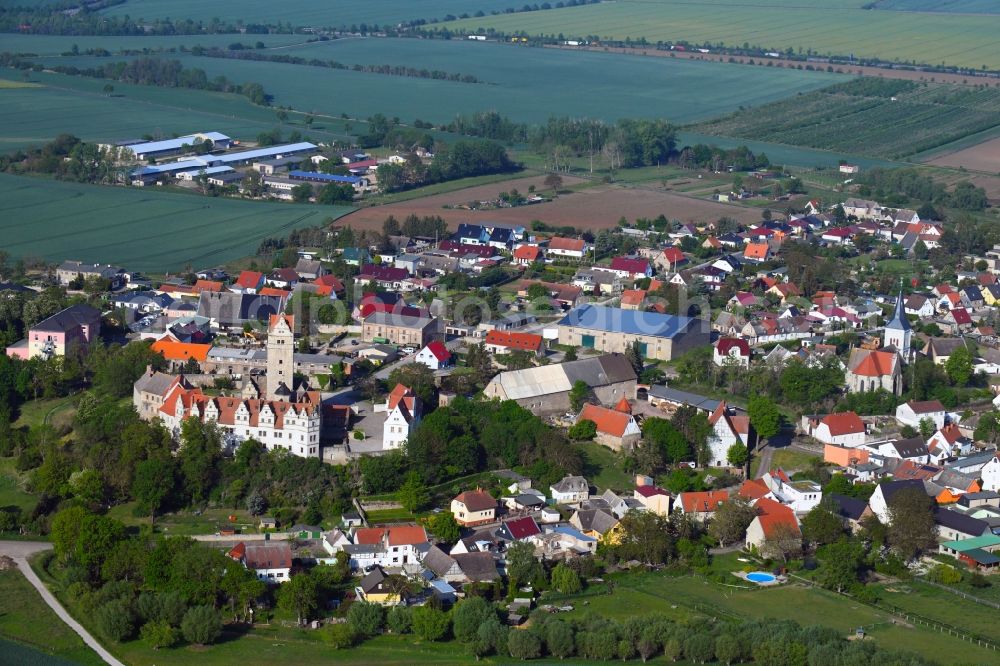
<point x="892" y="119"/>
<point x="30" y="116"/>
<point x="54" y="45"/>
<point x="142" y="229"/>
<point x="324" y="13"/>
<point x="523" y="83"/>
<point x="982" y="157"/>
<point x="944" y="6"/>
<point x="598" y="207"/>
<point x="841" y="27"/>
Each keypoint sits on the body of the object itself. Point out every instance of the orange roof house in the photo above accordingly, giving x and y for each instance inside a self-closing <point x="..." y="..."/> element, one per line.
<point x="632" y="299"/>
<point x="702" y="504"/>
<point x="615" y="429"/>
<point x="753" y="489"/>
<point x="207" y="285"/>
<point x="757" y="251"/>
<point x="527" y="254"/>
<point x="180" y="352"/>
<point x="844" y="456"/>
<point x="774" y="520"/>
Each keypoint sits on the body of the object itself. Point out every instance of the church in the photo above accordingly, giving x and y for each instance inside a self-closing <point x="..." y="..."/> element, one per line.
<point x="280" y="415"/>
<point x="874" y="369"/>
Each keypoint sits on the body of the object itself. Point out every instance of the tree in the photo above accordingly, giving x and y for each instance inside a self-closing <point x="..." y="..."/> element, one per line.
<point x="820" y="526"/>
<point x="201" y="625"/>
<point x="645" y="537"/>
<point x="784" y="541"/>
<point x="911" y="522"/>
<point x="570" y="355"/>
<point x="565" y="580"/>
<point x="633" y="354"/>
<point x="700" y="648"/>
<point x="524" y="645"/>
<point x="116" y="620"/>
<point x="429" y="623"/>
<point x="154" y="479"/>
<point x="582" y="431"/>
<point x="400" y="620"/>
<point x="728" y="649"/>
<point x="339" y="636"/>
<point x="737" y="454"/>
<point x="841" y="564"/>
<point x="578" y="395"/>
<point x="108" y="89"/>
<point x="301" y="595"/>
<point x="522" y="567"/>
<point x="444" y="526"/>
<point x="959" y="366"/>
<point x="553" y="182"/>
<point x="413" y="494"/>
<point x="468" y="615"/>
<point x="159" y="634"/>
<point x="731" y="520"/>
<point x="256" y="504"/>
<point x="302" y="193"/>
<point x="764" y="416"/>
<point x="559" y="639"/>
<point x="667" y="439"/>
<point x="366" y="619"/>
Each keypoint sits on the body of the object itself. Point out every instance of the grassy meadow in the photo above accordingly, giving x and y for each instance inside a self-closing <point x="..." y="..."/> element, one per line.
<point x="841" y="27"/>
<point x="140" y="228"/>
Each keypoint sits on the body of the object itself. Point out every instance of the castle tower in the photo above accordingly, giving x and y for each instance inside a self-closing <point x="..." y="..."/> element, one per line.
<point x="280" y="360"/>
<point x="898" y="332"/>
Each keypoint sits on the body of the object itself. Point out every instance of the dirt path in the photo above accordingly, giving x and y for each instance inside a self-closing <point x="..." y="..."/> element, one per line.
<point x="20" y="551"/>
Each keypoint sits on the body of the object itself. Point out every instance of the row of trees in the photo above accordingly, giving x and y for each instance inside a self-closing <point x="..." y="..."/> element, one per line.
<point x="462" y="159"/>
<point x="883" y="184"/>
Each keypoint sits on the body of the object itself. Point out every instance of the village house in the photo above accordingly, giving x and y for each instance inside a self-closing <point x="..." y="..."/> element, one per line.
<point x="800" y="496"/>
<point x="570" y="248"/>
<point x="76" y="327"/>
<point x="570" y="490"/>
<point x="473" y="507"/>
<point x="884" y="492"/>
<point x="271" y="561"/>
<point x="628" y="268"/>
<point x="616" y="428"/>
<point x="913" y="412"/>
<point x="773" y="522"/>
<point x="731" y="352"/>
<point x="519" y="529"/>
<point x="376" y="588"/>
<point x="505" y="342"/>
<point x="653" y="498"/>
<point x="398" y="328"/>
<point x="701" y="505"/>
<point x="912" y="448"/>
<point x="69" y="271"/>
<point x="392" y="546"/>
<point x="434" y="355"/>
<point x="404" y="411"/>
<point x="597" y="523"/>
<point x="727" y="429"/>
<point x="841" y="429"/>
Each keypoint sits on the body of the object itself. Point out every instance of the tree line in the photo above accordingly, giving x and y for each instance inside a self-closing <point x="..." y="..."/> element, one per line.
<point x="462" y="159"/>
<point x="898" y="186"/>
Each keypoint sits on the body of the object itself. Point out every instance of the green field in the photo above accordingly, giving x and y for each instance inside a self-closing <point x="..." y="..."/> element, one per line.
<point x="891" y="119"/>
<point x="526" y="84"/>
<point x="77" y="105"/>
<point x="39" y="637"/>
<point x="323" y="13"/>
<point x="840" y="27"/>
<point x="141" y="229"/>
<point x="947" y="6"/>
<point x="12" y="491"/>
<point x="55" y="45"/>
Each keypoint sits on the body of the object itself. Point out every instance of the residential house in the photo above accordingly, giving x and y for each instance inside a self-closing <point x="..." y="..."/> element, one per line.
<point x="851" y="510"/>
<point x="670" y="260"/>
<point x="76" y="327"/>
<point x="525" y="255"/>
<point x="628" y="268"/>
<point x="597" y="523"/>
<point x="519" y="529"/>
<point x="248" y="282"/>
<point x="728" y="428"/>
<point x="913" y="412"/>
<point x="919" y="305"/>
<point x="474" y="507"/>
<point x="69" y="271"/>
<point x="570" y="490"/>
<point x="597" y="281"/>
<point x="773" y="522"/>
<point x="731" y="352"/>
<point x="377" y="588"/>
<point x="800" y="496"/>
<point x="758" y="252"/>
<point x="841" y="429"/>
<point x="653" y="498"/>
<point x="948" y="443"/>
<point x="270" y="560"/>
<point x="632" y="299"/>
<point x="881" y="499"/>
<point x="404" y="411"/>
<point x="912" y="448"/>
<point x="570" y="248"/>
<point x="953" y="525"/>
<point x="434" y="355"/>
<point x="398" y="328"/>
<point x="391" y="546"/>
<point x="990" y="474"/>
<point x="701" y="505"/>
<point x="616" y="428"/>
<point x="940" y="350"/>
<point x="334" y="541"/>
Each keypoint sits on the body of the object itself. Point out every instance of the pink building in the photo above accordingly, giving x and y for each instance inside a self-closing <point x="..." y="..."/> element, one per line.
<point x="76" y="325"/>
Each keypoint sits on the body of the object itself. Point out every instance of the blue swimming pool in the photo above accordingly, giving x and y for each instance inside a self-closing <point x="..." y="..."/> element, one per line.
<point x="761" y="577"/>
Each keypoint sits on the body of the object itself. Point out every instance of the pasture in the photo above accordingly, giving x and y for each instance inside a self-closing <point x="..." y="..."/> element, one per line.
<point x="822" y="27"/>
<point x="323" y="13"/>
<point x="143" y="229"/>
<point x="892" y="119"/>
<point x="526" y="84"/>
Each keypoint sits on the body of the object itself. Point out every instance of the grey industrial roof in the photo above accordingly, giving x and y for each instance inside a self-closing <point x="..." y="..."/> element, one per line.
<point x="632" y="322"/>
<point x="683" y="397"/>
<point x="548" y="379"/>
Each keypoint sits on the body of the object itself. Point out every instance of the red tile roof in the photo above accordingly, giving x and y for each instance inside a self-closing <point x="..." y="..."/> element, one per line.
<point x="674" y="255"/>
<point x="207" y="285"/>
<point x="174" y="350"/>
<point x="607" y="420"/>
<point x="511" y="340"/>
<point x="702" y="502"/>
<point x="772" y="514"/>
<point x="650" y="491"/>
<point x="961" y="316"/>
<point x="521" y="528"/>
<point x="843" y="423"/>
<point x="633" y="266"/>
<point x="566" y="244"/>
<point x="527" y="252"/>
<point x="249" y="279"/>
<point x="440" y="352"/>
<point x="633" y="297"/>
<point x="876" y="364"/>
<point x="756" y="250"/>
<point x="753" y="489"/>
<point x="476" y="500"/>
<point x="725" y="345"/>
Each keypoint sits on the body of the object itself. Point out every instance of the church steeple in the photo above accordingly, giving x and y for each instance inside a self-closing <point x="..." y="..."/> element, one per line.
<point x="898" y="331"/>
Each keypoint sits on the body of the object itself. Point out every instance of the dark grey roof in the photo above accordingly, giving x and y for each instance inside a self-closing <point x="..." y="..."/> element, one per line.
<point x="684" y="398"/>
<point x="848" y="507"/>
<point x="527" y="499"/>
<point x="600" y="371"/>
<point x="960" y="522"/>
<point x="899" y="321"/>
<point x="913" y="447"/>
<point x="373" y="581"/>
<point x="229" y="308"/>
<point x="438" y="561"/>
<point x="596" y="520"/>
<point x="477" y="567"/>
<point x="70" y="318"/>
<point x="890" y="488"/>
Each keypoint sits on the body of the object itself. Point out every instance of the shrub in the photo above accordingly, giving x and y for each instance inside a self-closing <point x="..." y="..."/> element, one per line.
<point x="117" y="620"/>
<point x="524" y="645"/>
<point x="400" y="620"/>
<point x="159" y="634"/>
<point x="338" y="636"/>
<point x="201" y="625"/>
<point x="366" y="619"/>
<point x="430" y="624"/>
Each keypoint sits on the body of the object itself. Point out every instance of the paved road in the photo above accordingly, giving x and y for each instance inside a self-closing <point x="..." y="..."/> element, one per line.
<point x="20" y="551"/>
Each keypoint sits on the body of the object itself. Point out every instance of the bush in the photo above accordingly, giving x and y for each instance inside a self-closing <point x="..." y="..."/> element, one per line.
<point x="159" y="634"/>
<point x="524" y="645"/>
<point x="201" y="625"/>
<point x="400" y="620"/>
<point x="583" y="430"/>
<point x="117" y="620"/>
<point x="366" y="619"/>
<point x="338" y="636"/>
<point x="430" y="624"/>
<point x="945" y="574"/>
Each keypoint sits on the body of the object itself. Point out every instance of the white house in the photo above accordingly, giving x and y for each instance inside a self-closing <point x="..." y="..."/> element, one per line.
<point x="843" y="429"/>
<point x="912" y="412"/>
<point x="914" y="449"/>
<point x="334" y="541"/>
<point x="990" y="474"/>
<point x="404" y="412"/>
<point x="880" y="499"/>
<point x="773" y="521"/>
<point x="570" y="490"/>
<point x="731" y="351"/>
<point x="435" y="355"/>
<point x="948" y="443"/>
<point x="799" y="496"/>
<point x="727" y="429"/>
<point x="271" y="561"/>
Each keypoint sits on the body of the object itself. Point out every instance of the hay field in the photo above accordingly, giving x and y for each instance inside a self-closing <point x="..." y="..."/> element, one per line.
<point x="840" y="27"/>
<point x="142" y="229"/>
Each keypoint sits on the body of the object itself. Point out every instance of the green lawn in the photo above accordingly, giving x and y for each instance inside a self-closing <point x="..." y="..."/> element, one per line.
<point x="602" y="468"/>
<point x="12" y="491"/>
<point x="28" y="622"/>
<point x="54" y="411"/>
<point x="187" y="523"/>
<point x="945" y="607"/>
<point x="791" y="460"/>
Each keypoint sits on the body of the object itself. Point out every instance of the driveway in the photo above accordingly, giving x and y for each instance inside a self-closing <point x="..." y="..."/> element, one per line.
<point x="20" y="551"/>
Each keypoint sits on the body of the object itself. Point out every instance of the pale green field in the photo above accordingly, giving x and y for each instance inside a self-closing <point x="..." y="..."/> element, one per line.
<point x="54" y="45"/>
<point x="840" y="27"/>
